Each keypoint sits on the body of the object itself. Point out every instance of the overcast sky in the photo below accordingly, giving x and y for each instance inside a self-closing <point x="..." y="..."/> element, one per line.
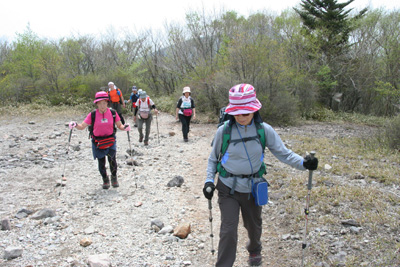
<point x="61" y="18"/>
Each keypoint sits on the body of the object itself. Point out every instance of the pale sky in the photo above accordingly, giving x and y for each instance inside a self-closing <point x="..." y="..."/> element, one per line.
<point x="62" y="18"/>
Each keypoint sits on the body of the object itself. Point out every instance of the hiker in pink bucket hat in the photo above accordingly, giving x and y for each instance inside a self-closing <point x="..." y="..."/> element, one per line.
<point x="103" y="123"/>
<point x="238" y="157"/>
<point x="242" y="100"/>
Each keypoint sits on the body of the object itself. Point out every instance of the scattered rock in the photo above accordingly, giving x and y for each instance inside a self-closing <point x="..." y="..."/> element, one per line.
<point x="166" y="230"/>
<point x="182" y="230"/>
<point x="12" y="253"/>
<point x="23" y="213"/>
<point x="171" y="133"/>
<point x="327" y="167"/>
<point x="44" y="213"/>
<point x="176" y="181"/>
<point x="157" y="223"/>
<point x="5" y="225"/>
<point x="351" y="222"/>
<point x="101" y="260"/>
<point x="358" y="176"/>
<point x="85" y="242"/>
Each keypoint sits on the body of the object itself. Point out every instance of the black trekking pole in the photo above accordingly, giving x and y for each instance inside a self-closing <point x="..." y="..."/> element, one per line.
<point x="210" y="218"/>
<point x="130" y="153"/>
<point x="158" y="134"/>
<point x="306" y="211"/>
<point x="63" y="178"/>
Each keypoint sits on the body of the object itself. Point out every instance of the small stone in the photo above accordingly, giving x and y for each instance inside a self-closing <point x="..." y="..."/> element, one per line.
<point x="101" y="260"/>
<point x="182" y="230"/>
<point x="12" y="253"/>
<point x="176" y="181"/>
<point x="90" y="230"/>
<point x="350" y="222"/>
<point x="327" y="167"/>
<point x="166" y="230"/>
<point x="5" y="225"/>
<point x="44" y="213"/>
<point x="85" y="242"/>
<point x="138" y="204"/>
<point x="358" y="175"/>
<point x="157" y="222"/>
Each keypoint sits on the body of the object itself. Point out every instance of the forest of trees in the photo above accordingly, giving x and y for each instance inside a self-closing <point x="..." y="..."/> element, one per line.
<point x="320" y="55"/>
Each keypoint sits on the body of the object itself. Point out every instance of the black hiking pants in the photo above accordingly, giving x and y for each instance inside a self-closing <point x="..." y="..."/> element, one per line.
<point x="112" y="161"/>
<point x="185" y="120"/>
<point x="230" y="207"/>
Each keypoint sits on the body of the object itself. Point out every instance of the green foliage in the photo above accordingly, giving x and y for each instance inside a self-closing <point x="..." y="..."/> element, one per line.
<point x="355" y="54"/>
<point x="280" y="110"/>
<point x="392" y="133"/>
<point x="165" y="104"/>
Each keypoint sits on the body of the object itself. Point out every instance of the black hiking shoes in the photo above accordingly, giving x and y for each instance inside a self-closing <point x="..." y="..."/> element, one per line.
<point x="114" y="181"/>
<point x="255" y="259"/>
<point x="106" y="182"/>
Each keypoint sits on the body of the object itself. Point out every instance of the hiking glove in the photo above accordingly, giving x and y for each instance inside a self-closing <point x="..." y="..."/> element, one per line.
<point x="127" y="127"/>
<point x="210" y="194"/>
<point x="72" y="125"/>
<point x="310" y="163"/>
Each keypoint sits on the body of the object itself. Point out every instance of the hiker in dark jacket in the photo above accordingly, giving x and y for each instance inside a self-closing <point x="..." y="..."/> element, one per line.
<point x="185" y="110"/>
<point x="103" y="136"/>
<point x="133" y="98"/>
<point x="240" y="166"/>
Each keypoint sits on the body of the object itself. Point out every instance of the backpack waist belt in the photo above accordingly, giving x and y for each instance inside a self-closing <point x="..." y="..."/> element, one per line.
<point x="254" y="175"/>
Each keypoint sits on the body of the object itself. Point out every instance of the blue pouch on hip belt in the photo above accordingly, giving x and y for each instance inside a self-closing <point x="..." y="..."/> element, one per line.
<point x="259" y="191"/>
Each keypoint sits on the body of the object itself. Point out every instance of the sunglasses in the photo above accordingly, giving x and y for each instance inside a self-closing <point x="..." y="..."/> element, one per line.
<point x="244" y="115"/>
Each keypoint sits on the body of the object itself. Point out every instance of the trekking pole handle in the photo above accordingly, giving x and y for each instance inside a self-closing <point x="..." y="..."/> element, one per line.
<point x="208" y="189"/>
<point x="310" y="173"/>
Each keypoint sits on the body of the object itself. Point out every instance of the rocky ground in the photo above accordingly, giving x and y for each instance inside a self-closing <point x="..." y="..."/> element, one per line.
<point x="123" y="223"/>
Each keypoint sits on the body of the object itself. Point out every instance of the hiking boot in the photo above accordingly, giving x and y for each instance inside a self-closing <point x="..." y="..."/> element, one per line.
<point x="106" y="183"/>
<point x="135" y="125"/>
<point x="140" y="139"/>
<point x="255" y="259"/>
<point x="146" y="143"/>
<point x="114" y="181"/>
<point x="186" y="140"/>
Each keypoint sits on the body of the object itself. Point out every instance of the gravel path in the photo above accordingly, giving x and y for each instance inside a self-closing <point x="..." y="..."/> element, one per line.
<point x="118" y="221"/>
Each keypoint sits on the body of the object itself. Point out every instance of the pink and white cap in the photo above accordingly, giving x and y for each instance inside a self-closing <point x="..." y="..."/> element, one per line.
<point x="242" y="100"/>
<point x="100" y="96"/>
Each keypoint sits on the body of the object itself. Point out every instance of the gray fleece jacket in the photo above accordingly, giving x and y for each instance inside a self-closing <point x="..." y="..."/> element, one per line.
<point x="245" y="159"/>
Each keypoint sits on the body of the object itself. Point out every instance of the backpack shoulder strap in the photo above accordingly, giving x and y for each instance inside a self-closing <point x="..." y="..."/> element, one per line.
<point x="91" y="127"/>
<point x="226" y="137"/>
<point x="261" y="134"/>
<point x="114" y="112"/>
<point x="148" y="101"/>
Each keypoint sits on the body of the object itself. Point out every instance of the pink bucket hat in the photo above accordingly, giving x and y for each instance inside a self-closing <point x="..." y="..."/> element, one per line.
<point x="101" y="96"/>
<point x="242" y="100"/>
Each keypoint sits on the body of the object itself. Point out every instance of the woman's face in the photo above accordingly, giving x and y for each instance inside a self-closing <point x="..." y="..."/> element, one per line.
<point x="244" y="119"/>
<point x="187" y="94"/>
<point x="102" y="105"/>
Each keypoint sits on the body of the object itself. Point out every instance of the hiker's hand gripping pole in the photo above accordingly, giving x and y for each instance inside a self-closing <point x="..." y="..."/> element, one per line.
<point x="306" y="210"/>
<point x="210" y="218"/>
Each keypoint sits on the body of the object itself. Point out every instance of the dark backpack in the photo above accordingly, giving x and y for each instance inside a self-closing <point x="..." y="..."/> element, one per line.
<point x="223" y="116"/>
<point x="226" y="140"/>
<point x="93" y="115"/>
